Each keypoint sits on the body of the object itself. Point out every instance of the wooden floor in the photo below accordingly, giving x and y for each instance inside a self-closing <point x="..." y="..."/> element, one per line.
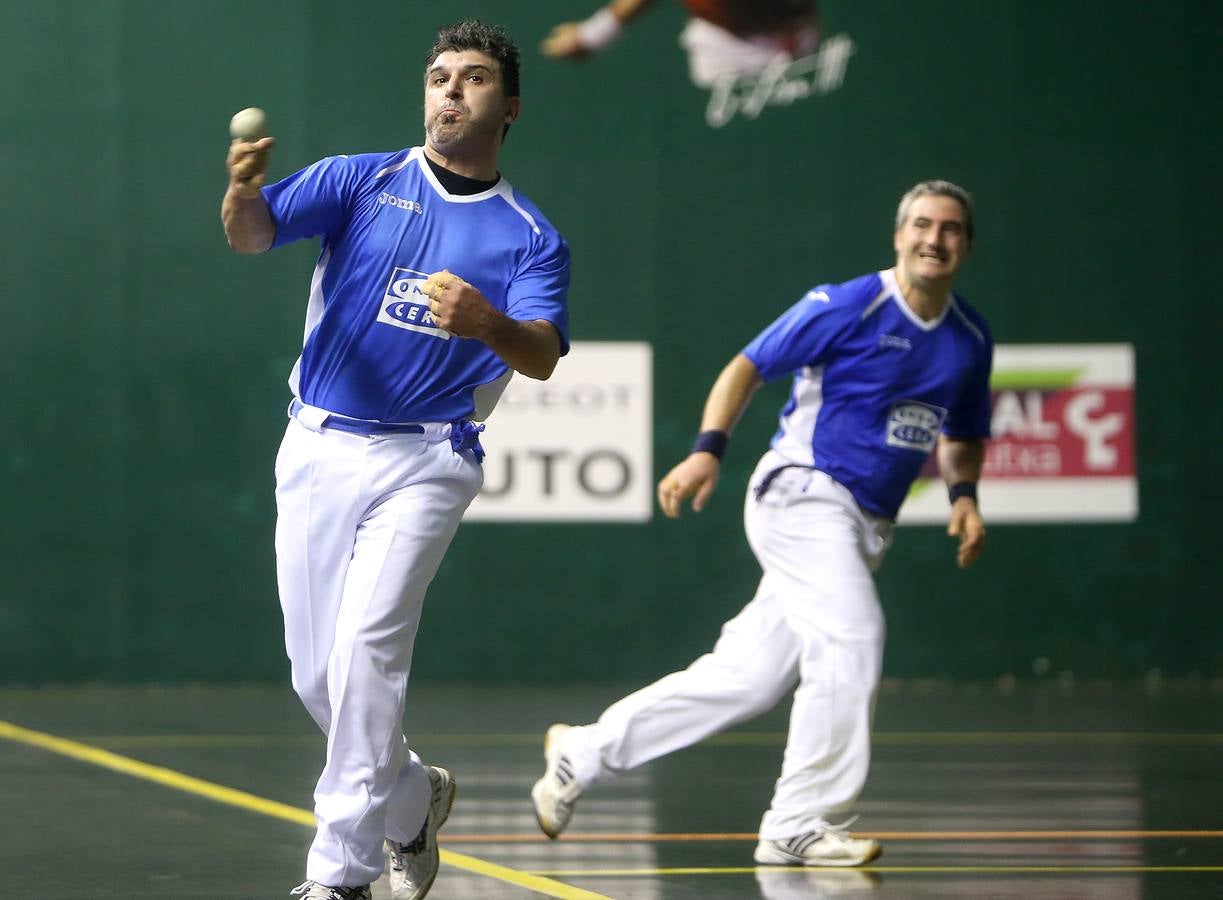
<point x="1032" y="791"/>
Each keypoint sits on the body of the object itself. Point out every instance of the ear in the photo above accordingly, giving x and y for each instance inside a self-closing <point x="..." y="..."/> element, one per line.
<point x="896" y="241"/>
<point x="512" y="107"/>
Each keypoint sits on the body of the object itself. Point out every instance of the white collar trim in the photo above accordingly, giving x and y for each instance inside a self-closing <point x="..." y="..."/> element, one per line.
<point x="893" y="287"/>
<point x="498" y="189"/>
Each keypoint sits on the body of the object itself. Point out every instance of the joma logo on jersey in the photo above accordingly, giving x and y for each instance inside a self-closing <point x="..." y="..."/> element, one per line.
<point x="406" y="306"/>
<point x="891" y="340"/>
<point x="392" y="200"/>
<point x="914" y="426"/>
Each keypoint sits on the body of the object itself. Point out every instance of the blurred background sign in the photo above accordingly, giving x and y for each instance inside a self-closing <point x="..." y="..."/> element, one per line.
<point x="1062" y="448"/>
<point x="575" y="447"/>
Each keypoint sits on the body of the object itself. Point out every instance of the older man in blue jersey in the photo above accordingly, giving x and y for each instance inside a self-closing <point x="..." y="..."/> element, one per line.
<point x="435" y="282"/>
<point x="886" y="368"/>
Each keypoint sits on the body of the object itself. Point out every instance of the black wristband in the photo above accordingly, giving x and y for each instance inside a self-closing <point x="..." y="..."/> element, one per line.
<point x="712" y="441"/>
<point x="962" y="489"/>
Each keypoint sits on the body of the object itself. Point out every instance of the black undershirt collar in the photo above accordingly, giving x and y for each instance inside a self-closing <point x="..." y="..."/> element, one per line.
<point x="459" y="185"/>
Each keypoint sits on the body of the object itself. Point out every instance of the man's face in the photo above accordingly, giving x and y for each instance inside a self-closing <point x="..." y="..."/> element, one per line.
<point x="932" y="241"/>
<point x="464" y="100"/>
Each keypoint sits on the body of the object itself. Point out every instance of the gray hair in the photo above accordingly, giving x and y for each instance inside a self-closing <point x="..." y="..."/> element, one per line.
<point x="939" y="189"/>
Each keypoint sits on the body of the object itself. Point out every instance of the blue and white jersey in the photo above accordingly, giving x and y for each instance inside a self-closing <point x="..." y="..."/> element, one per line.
<point x="372" y="350"/>
<point x="874" y="384"/>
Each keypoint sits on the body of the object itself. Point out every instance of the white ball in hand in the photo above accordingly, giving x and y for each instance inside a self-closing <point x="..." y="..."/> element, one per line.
<point x="248" y="124"/>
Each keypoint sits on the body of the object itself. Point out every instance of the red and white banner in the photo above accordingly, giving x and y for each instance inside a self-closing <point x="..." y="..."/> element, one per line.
<point x="1063" y="439"/>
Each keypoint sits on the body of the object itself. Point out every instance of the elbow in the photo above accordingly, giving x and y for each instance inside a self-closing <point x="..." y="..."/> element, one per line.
<point x="245" y="246"/>
<point x="245" y="230"/>
<point x="542" y="370"/>
<point x="545" y="357"/>
<point x="542" y="365"/>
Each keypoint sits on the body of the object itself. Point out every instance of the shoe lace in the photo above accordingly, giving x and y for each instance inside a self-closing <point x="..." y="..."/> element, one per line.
<point x="312" y="890"/>
<point x="401" y="852"/>
<point x="841" y="830"/>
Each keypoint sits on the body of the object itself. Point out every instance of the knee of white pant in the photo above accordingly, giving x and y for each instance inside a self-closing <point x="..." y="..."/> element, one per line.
<point x="312" y="690"/>
<point x="761" y="701"/>
<point x="844" y="667"/>
<point x="754" y="683"/>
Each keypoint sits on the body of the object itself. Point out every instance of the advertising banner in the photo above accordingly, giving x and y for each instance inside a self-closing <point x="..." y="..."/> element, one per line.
<point x="1062" y="448"/>
<point x="576" y="447"/>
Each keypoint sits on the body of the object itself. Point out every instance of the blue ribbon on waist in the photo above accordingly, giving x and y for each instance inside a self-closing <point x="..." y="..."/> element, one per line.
<point x="465" y="435"/>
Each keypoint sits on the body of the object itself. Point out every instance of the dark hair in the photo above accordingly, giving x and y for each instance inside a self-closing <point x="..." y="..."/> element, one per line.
<point x="490" y="40"/>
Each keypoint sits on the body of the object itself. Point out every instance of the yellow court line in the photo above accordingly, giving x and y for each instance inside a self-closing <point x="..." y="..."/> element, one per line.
<point x="241" y="799"/>
<point x="895" y="870"/>
<point x="532" y="880"/>
<point x="203" y="741"/>
<point x="166" y="777"/>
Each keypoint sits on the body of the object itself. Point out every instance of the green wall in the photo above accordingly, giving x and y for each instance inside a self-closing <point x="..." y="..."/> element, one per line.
<point x="143" y="365"/>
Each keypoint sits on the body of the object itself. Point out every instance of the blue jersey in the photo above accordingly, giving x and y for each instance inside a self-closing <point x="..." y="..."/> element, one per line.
<point x="874" y="384"/>
<point x="372" y="350"/>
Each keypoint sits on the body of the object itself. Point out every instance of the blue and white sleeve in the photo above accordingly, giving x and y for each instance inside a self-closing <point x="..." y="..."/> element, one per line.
<point x="311" y="203"/>
<point x="801" y="336"/>
<point x="539" y="290"/>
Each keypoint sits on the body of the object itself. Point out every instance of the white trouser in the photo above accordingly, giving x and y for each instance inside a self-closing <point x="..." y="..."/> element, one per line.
<point x="363" y="523"/>
<point x="716" y="54"/>
<point x="815" y="620"/>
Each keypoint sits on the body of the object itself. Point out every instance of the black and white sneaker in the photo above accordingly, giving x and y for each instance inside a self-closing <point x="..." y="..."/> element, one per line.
<point x="830" y="846"/>
<point x="312" y="890"/>
<point x="414" y="864"/>
<point x="555" y="794"/>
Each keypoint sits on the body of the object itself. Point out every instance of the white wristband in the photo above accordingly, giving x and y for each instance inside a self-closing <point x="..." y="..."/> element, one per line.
<point x="599" y="30"/>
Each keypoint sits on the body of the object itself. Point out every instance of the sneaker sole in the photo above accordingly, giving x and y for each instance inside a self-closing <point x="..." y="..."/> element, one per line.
<point x="448" y="790"/>
<point x="552" y="738"/>
<point x="785" y="859"/>
<point x="546" y="826"/>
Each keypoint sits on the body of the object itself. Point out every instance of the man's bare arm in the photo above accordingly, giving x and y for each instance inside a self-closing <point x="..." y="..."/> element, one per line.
<point x="531" y="348"/>
<point x="244" y="212"/>
<point x="960" y="461"/>
<point x="697" y="475"/>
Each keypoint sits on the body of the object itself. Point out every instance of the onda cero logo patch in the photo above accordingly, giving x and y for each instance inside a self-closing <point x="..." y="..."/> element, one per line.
<point x="405" y="305"/>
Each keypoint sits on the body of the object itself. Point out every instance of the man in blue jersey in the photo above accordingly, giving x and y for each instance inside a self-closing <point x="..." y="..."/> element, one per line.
<point x="435" y="282"/>
<point x="887" y="368"/>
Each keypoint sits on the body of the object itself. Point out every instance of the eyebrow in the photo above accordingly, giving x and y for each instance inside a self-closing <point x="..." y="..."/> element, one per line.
<point x="959" y="223"/>
<point x="470" y="67"/>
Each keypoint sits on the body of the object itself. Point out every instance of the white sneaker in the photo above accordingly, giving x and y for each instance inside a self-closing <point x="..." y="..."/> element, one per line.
<point x="414" y="864"/>
<point x="555" y="793"/>
<point x="312" y="890"/>
<point x="832" y="846"/>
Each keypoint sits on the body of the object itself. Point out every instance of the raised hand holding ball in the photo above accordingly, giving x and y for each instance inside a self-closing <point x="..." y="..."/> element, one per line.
<point x="248" y="154"/>
<point x="248" y="124"/>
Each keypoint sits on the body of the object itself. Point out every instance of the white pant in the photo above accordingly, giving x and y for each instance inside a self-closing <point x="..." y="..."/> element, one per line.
<point x="363" y="523"/>
<point x="815" y="620"/>
<point x="716" y="54"/>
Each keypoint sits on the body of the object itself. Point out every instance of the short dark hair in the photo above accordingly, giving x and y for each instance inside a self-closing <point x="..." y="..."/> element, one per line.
<point x="491" y="40"/>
